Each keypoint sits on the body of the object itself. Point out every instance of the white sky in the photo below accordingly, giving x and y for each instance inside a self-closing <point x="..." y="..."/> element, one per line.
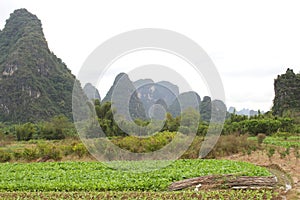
<point x="250" y="42"/>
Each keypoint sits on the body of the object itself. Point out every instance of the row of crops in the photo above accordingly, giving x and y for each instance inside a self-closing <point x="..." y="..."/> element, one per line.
<point x="293" y="141"/>
<point x="287" y="142"/>
<point x="97" y="176"/>
<point x="214" y="194"/>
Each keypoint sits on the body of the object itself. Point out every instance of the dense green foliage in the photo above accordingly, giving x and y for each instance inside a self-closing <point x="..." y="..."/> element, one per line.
<point x="106" y="120"/>
<point x="105" y="114"/>
<point x="96" y="176"/>
<point x="267" y="124"/>
<point x="144" y="145"/>
<point x="58" y="127"/>
<point x="35" y="85"/>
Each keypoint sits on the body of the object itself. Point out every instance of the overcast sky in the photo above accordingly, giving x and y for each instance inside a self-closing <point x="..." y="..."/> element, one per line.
<point x="250" y="42"/>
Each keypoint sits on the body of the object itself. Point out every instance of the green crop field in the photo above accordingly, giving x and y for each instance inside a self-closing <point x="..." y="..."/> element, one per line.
<point x="213" y="194"/>
<point x="96" y="176"/>
<point x="278" y="141"/>
<point x="291" y="141"/>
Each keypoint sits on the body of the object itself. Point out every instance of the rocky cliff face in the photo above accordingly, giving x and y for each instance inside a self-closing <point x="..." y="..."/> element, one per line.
<point x="34" y="83"/>
<point x="287" y="93"/>
<point x="151" y="93"/>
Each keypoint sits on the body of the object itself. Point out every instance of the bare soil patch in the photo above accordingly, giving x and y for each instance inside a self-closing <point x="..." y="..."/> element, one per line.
<point x="289" y="164"/>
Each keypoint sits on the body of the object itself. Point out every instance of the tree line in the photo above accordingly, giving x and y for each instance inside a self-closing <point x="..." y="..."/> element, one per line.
<point x="59" y="127"/>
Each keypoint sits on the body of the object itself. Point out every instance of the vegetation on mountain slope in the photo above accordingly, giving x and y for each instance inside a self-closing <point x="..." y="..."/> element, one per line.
<point x="34" y="83"/>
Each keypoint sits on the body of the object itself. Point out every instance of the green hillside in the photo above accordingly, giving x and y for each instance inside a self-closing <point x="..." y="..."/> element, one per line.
<point x="34" y="83"/>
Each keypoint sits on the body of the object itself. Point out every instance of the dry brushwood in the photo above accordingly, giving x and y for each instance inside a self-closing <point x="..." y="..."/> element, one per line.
<point x="226" y="181"/>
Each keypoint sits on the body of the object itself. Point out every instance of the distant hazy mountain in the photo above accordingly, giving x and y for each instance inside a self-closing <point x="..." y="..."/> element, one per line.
<point x="91" y="92"/>
<point x="143" y="94"/>
<point x="205" y="109"/>
<point x="231" y="109"/>
<point x="184" y="101"/>
<point x="218" y="109"/>
<point x="34" y="83"/>
<point x="150" y="93"/>
<point x="244" y="111"/>
<point x="122" y="94"/>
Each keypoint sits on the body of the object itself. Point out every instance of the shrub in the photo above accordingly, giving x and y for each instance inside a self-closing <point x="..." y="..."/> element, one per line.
<point x="282" y="154"/>
<point x="80" y="150"/>
<point x="202" y="129"/>
<point x="232" y="144"/>
<point x="143" y="145"/>
<point x="267" y="126"/>
<point x="287" y="150"/>
<point x="56" y="154"/>
<point x="5" y="156"/>
<point x="270" y="153"/>
<point x="25" y="131"/>
<point x="260" y="138"/>
<point x="30" y="154"/>
<point x="51" y="132"/>
<point x="193" y="150"/>
<point x="49" y="150"/>
<point x="284" y="135"/>
<point x="17" y="155"/>
<point x="67" y="150"/>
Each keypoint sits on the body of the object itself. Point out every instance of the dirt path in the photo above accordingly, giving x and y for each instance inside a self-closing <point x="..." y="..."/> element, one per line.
<point x="289" y="164"/>
<point x="285" y="182"/>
